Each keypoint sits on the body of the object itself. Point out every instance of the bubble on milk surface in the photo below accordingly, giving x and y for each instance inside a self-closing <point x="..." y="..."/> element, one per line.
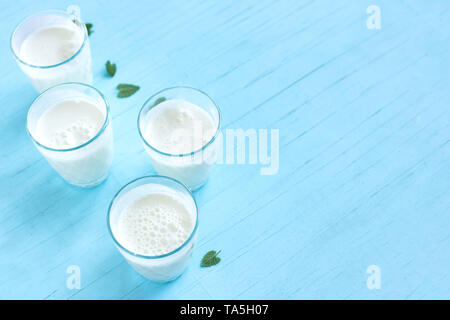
<point x="154" y="225"/>
<point x="177" y="126"/>
<point x="76" y="134"/>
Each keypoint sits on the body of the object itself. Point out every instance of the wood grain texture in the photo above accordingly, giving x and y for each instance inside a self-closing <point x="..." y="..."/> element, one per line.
<point x="364" y="120"/>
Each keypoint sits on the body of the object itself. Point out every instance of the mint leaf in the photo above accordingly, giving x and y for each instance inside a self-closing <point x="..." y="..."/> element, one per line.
<point x="89" y="28"/>
<point x="210" y="259"/>
<point x="126" y="90"/>
<point x="111" y="68"/>
<point x="159" y="100"/>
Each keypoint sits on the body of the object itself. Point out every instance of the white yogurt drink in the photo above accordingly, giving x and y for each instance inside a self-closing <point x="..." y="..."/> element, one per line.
<point x="154" y="225"/>
<point x="70" y="126"/>
<point x="52" y="47"/>
<point x="153" y="222"/>
<point x="179" y="127"/>
<point x="69" y="123"/>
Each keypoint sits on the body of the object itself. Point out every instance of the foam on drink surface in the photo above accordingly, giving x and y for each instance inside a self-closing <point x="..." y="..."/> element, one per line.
<point x="155" y="224"/>
<point x="69" y="124"/>
<point x="177" y="126"/>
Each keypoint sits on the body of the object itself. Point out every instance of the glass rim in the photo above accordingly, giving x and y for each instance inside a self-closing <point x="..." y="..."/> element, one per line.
<point x="98" y="134"/>
<point x="43" y="12"/>
<point x="216" y="134"/>
<point x="150" y="177"/>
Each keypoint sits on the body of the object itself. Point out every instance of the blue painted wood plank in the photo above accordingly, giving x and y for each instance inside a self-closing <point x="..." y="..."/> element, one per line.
<point x="364" y="151"/>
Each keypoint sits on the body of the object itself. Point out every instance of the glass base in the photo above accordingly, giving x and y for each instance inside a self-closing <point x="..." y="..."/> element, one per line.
<point x="199" y="186"/>
<point x="170" y="279"/>
<point x="90" y="184"/>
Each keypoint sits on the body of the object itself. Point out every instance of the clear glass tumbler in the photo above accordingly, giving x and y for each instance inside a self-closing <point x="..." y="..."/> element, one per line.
<point x="77" y="68"/>
<point x="166" y="267"/>
<point x="88" y="164"/>
<point x="191" y="168"/>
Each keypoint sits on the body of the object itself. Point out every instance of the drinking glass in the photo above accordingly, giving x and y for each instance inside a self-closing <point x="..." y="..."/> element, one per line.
<point x="77" y="68"/>
<point x="161" y="268"/>
<point x="191" y="168"/>
<point x="88" y="164"/>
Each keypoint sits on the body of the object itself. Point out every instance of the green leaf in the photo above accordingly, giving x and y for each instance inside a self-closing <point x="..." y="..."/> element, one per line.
<point x="111" y="68"/>
<point x="89" y="28"/>
<point x="126" y="90"/>
<point x="210" y="259"/>
<point x="159" y="100"/>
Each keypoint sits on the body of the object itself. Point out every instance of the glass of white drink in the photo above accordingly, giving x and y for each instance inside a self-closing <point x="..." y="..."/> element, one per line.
<point x="180" y="130"/>
<point x="70" y="125"/>
<point x="153" y="221"/>
<point x="52" y="47"/>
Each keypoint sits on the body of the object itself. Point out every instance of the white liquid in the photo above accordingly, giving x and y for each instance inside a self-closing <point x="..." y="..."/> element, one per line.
<point x="69" y="124"/>
<point x="153" y="220"/>
<point x="180" y="127"/>
<point x="154" y="225"/>
<point x="52" y="45"/>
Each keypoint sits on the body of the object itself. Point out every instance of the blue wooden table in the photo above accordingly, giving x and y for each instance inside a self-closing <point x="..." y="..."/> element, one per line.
<point x="364" y="177"/>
